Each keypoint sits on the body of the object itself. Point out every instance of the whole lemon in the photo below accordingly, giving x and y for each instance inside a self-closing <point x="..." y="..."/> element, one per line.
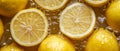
<point x="11" y="47"/>
<point x="1" y="29"/>
<point x="102" y="40"/>
<point x="9" y="8"/>
<point x="113" y="15"/>
<point x="56" y="43"/>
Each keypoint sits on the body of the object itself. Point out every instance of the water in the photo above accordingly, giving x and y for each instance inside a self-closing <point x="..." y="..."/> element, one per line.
<point x="53" y="18"/>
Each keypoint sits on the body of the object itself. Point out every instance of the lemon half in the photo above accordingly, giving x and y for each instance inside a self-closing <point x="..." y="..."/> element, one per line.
<point x="29" y="27"/>
<point x="51" y="4"/>
<point x="97" y="3"/>
<point x="77" y="21"/>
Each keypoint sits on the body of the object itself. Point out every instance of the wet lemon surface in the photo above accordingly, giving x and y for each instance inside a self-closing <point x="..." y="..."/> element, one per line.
<point x="53" y="19"/>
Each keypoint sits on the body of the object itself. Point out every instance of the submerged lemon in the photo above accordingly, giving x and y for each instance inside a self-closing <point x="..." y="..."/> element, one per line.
<point x="56" y="43"/>
<point x="113" y="15"/>
<point x="102" y="40"/>
<point x="97" y="3"/>
<point x="77" y="21"/>
<point x="1" y="29"/>
<point x="29" y="27"/>
<point x="9" y="8"/>
<point x="11" y="47"/>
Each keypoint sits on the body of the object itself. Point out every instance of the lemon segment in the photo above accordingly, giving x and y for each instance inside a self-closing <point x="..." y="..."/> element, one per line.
<point x="56" y="43"/>
<point x="77" y="21"/>
<point x="29" y="27"/>
<point x="9" y="8"/>
<point x="102" y="40"/>
<point x="51" y="4"/>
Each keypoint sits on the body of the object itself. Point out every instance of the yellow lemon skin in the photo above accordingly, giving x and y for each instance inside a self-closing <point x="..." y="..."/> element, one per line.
<point x="102" y="40"/>
<point x="113" y="15"/>
<point x="56" y="43"/>
<point x="11" y="47"/>
<point x="1" y="29"/>
<point x="9" y="8"/>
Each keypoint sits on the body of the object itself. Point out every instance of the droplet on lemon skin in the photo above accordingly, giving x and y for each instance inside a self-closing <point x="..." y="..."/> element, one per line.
<point x="9" y="8"/>
<point x="113" y="15"/>
<point x="102" y="40"/>
<point x="1" y="29"/>
<point x="11" y="47"/>
<point x="56" y="43"/>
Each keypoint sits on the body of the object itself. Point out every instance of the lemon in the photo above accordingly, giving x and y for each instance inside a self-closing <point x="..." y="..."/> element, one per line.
<point x="113" y="16"/>
<point x="9" y="8"/>
<point x="1" y="29"/>
<point x="51" y="4"/>
<point x="97" y="3"/>
<point x="77" y="21"/>
<point x="11" y="47"/>
<point x="29" y="27"/>
<point x="56" y="43"/>
<point x="102" y="40"/>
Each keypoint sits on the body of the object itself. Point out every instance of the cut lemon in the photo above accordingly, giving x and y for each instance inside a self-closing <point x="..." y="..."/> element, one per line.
<point x="29" y="27"/>
<point x="77" y="21"/>
<point x="51" y="4"/>
<point x="97" y="3"/>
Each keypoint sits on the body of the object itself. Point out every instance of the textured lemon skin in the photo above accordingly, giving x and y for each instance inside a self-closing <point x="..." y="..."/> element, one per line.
<point x="102" y="40"/>
<point x="113" y="15"/>
<point x="56" y="43"/>
<point x="9" y="8"/>
<point x="1" y="29"/>
<point x="11" y="47"/>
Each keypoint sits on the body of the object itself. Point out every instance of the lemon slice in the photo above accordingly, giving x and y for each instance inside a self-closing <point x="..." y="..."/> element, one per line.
<point x="51" y="4"/>
<point x="29" y="27"/>
<point x="97" y="3"/>
<point x="77" y="21"/>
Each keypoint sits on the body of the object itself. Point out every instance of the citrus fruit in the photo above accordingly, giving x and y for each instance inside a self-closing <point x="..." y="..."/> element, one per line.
<point x="77" y="21"/>
<point x="97" y="3"/>
<point x="9" y="8"/>
<point x="29" y="27"/>
<point x="113" y="16"/>
<point x="1" y="29"/>
<point x="102" y="40"/>
<point x="11" y="47"/>
<point x="51" y="4"/>
<point x="56" y="43"/>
